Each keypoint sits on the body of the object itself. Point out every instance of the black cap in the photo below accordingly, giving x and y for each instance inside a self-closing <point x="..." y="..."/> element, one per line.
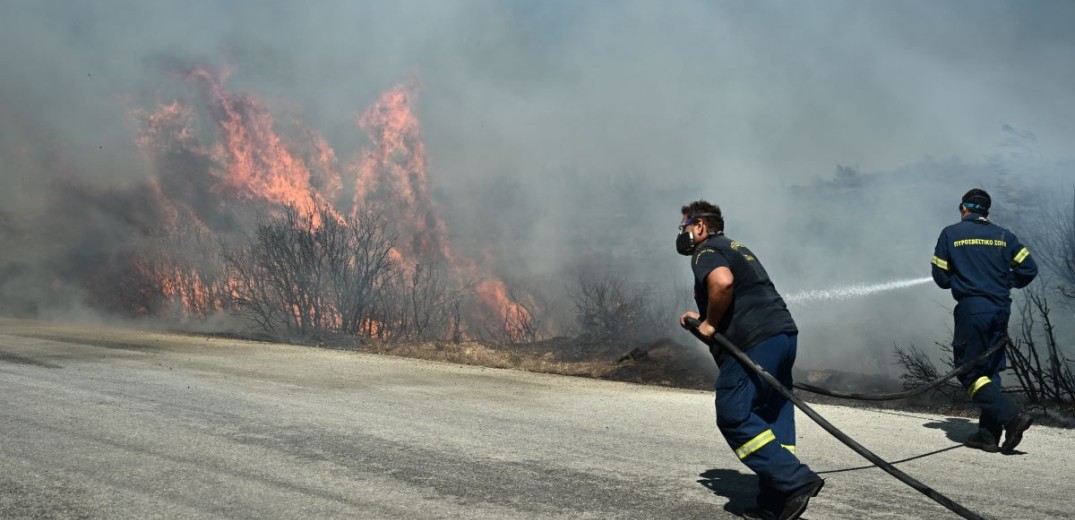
<point x="977" y="201"/>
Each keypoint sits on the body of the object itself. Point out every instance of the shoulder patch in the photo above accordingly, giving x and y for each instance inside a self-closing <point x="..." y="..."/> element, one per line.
<point x="702" y="252"/>
<point x="736" y="246"/>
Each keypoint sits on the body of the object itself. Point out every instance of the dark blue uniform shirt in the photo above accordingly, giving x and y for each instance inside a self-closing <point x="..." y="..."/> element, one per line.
<point x="978" y="258"/>
<point x="757" y="311"/>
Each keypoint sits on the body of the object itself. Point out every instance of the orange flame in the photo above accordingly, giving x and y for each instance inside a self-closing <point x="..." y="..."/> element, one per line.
<point x="169" y="128"/>
<point x="257" y="164"/>
<point x="249" y="159"/>
<point x="516" y="319"/>
<point x="393" y="171"/>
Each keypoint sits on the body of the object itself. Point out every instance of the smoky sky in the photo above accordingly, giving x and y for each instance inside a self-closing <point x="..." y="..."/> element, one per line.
<point x="770" y="90"/>
<point x="594" y="120"/>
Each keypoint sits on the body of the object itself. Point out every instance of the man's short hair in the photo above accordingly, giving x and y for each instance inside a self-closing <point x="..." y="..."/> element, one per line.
<point x="706" y="212"/>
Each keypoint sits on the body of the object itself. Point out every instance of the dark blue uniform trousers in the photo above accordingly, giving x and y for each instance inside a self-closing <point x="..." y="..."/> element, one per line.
<point x="979" y="324"/>
<point x="759" y="423"/>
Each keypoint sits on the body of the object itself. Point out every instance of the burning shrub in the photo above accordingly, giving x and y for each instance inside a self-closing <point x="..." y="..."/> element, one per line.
<point x="314" y="275"/>
<point x="418" y="304"/>
<point x="185" y="242"/>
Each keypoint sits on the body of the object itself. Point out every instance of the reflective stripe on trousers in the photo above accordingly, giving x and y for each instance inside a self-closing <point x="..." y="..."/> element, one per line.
<point x="977" y="385"/>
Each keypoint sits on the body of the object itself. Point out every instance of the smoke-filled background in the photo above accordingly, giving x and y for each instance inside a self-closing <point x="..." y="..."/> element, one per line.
<point x="541" y="143"/>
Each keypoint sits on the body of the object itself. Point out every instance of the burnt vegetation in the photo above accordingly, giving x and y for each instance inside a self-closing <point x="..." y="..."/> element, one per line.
<point x="609" y="312"/>
<point x="326" y="278"/>
<point x="1041" y="366"/>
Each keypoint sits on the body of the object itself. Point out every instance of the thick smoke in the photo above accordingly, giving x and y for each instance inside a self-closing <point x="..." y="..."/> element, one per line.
<point x="563" y="136"/>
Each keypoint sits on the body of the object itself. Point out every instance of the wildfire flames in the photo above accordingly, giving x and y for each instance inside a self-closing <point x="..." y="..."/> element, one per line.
<point x="219" y="159"/>
<point x="394" y="170"/>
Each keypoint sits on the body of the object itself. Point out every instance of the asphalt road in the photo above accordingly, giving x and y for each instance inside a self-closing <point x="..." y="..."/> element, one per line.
<point x="107" y="423"/>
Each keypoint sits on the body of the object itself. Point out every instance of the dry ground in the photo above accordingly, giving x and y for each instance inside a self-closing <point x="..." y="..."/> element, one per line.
<point x="108" y="423"/>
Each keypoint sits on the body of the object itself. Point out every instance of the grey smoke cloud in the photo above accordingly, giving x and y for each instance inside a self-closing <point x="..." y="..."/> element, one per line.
<point x="777" y="90"/>
<point x="557" y="128"/>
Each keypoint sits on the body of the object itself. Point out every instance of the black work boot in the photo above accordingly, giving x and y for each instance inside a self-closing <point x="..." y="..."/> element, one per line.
<point x="982" y="440"/>
<point x="1013" y="431"/>
<point x="757" y="513"/>
<point x="769" y="500"/>
<point x="796" y="505"/>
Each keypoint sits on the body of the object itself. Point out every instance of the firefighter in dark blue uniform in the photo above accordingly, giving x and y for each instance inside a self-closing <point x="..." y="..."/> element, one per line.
<point x="736" y="298"/>
<point x="981" y="262"/>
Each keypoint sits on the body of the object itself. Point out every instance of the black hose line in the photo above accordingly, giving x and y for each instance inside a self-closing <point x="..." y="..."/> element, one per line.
<point x="1000" y="344"/>
<point x="722" y="342"/>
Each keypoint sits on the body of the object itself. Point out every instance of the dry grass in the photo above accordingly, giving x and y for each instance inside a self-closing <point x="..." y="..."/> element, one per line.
<point x="659" y="363"/>
<point x="473" y="353"/>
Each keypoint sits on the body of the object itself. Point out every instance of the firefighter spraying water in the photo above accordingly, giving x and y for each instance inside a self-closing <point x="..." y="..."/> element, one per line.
<point x="979" y="261"/>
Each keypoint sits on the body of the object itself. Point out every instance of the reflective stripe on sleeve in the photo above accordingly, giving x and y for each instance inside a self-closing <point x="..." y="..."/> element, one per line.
<point x="943" y="264"/>
<point x="977" y="385"/>
<point x="755" y="444"/>
<point x="789" y="447"/>
<point x="1020" y="256"/>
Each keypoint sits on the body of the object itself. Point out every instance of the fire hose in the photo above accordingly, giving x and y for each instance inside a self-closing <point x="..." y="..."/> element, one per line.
<point x="722" y="342"/>
<point x="1000" y="344"/>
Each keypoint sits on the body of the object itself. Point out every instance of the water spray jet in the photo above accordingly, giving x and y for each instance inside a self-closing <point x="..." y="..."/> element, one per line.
<point x="853" y="291"/>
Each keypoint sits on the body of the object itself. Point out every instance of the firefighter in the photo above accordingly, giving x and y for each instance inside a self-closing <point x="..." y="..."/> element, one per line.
<point x="736" y="298"/>
<point x="980" y="262"/>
